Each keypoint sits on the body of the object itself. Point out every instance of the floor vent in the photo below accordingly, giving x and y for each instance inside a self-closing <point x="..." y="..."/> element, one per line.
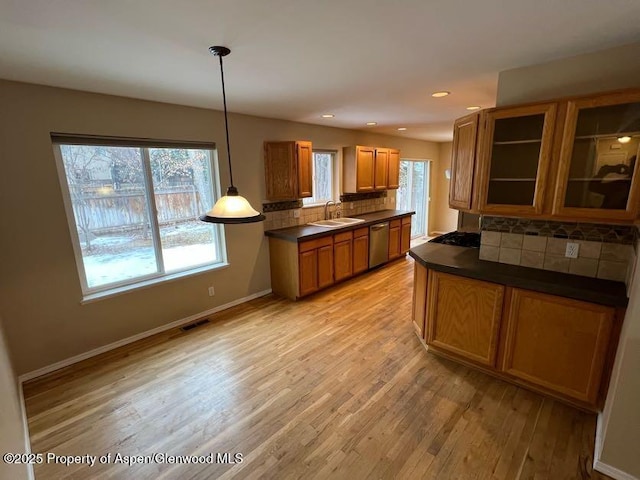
<point x="193" y="325"/>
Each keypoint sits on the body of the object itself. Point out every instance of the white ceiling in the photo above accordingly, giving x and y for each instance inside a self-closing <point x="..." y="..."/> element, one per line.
<point x="362" y="60"/>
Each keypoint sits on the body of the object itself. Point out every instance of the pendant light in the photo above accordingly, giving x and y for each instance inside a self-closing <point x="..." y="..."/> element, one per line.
<point x="232" y="208"/>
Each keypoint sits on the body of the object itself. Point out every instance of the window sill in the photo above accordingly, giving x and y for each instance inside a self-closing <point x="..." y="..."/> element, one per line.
<point x="113" y="292"/>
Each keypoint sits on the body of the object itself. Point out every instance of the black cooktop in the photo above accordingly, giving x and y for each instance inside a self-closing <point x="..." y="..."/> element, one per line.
<point x="460" y="239"/>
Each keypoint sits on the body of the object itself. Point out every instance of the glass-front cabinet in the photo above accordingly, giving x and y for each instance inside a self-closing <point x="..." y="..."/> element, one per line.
<point x="515" y="156"/>
<point x="598" y="178"/>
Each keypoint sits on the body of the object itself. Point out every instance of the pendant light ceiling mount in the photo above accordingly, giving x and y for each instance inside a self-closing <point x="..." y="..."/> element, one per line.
<point x="219" y="51"/>
<point x="232" y="208"/>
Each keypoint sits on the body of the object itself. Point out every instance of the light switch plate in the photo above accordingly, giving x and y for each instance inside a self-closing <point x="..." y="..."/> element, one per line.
<point x="572" y="250"/>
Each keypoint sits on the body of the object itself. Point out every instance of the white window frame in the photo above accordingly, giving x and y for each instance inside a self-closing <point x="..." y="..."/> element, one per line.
<point x="115" y="288"/>
<point x="334" y="182"/>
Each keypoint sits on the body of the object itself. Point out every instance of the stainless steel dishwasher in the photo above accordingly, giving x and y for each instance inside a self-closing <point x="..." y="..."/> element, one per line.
<point x="378" y="244"/>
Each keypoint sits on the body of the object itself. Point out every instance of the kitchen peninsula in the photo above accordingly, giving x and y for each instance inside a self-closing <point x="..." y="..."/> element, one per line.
<point x="550" y="332"/>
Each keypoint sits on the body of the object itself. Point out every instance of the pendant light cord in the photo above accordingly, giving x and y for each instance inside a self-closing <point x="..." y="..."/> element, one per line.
<point x="226" y="122"/>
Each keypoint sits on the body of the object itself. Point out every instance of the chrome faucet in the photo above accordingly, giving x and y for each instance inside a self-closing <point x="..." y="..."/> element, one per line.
<point x="327" y="210"/>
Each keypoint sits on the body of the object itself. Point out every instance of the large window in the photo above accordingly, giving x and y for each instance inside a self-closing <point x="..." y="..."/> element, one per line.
<point x="322" y="178"/>
<point x="133" y="209"/>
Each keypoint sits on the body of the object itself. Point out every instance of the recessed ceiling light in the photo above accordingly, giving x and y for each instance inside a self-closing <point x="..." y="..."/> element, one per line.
<point x="624" y="139"/>
<point x="371" y="124"/>
<point x="443" y="93"/>
<point x="328" y="115"/>
<point x="402" y="129"/>
<point x="474" y="107"/>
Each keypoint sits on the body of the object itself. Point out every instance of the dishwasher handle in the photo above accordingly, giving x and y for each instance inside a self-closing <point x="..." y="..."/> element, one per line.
<point x="379" y="226"/>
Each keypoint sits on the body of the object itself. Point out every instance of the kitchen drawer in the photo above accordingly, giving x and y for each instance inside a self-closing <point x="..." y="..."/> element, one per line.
<point x="361" y="232"/>
<point x="342" y="237"/>
<point x="313" y="244"/>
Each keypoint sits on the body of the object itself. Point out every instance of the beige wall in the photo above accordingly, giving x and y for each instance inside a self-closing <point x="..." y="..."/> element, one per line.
<point x="12" y="427"/>
<point x="442" y="218"/>
<point x="611" y="69"/>
<point x="39" y="288"/>
<point x="620" y="422"/>
<point x="606" y="70"/>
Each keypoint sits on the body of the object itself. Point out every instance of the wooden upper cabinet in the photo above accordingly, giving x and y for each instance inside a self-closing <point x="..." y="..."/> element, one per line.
<point x="288" y="170"/>
<point x="381" y="169"/>
<point x="557" y="343"/>
<point x="514" y="159"/>
<point x="463" y="316"/>
<point x="393" y="181"/>
<point x="463" y="160"/>
<point x="304" y="152"/>
<point x="366" y="169"/>
<point x="598" y="175"/>
<point x="358" y="169"/>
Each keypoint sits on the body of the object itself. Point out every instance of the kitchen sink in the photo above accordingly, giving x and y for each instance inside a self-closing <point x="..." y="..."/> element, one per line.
<point x="336" y="222"/>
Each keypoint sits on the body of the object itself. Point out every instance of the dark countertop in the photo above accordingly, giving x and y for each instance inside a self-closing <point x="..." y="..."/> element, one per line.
<point x="464" y="262"/>
<point x="308" y="232"/>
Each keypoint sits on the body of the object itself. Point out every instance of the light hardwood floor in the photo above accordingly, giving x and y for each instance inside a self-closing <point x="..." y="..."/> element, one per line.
<point x="333" y="386"/>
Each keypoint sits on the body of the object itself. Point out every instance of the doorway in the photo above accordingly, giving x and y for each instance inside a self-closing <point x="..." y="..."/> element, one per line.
<point x="413" y="194"/>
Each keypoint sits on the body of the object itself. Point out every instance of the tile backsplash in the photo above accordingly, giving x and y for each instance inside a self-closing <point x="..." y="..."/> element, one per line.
<point x="284" y="218"/>
<point x="605" y="251"/>
<point x="575" y="231"/>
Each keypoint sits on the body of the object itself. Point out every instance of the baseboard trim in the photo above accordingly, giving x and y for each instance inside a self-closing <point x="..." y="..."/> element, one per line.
<point x="597" y="448"/>
<point x="612" y="471"/>
<point x="25" y="426"/>
<point x="597" y="451"/>
<point x="125" y="341"/>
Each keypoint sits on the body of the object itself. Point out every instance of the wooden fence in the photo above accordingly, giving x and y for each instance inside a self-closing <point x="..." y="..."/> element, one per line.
<point x="102" y="213"/>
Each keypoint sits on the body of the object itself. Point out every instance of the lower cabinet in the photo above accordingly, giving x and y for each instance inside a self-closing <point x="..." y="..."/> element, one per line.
<point x="405" y="235"/>
<point x="464" y="316"/>
<point x="304" y="267"/>
<point x="551" y="344"/>
<point x="557" y="343"/>
<point x="360" y="250"/>
<point x="399" y="237"/>
<point x="343" y="255"/>
<point x="315" y="261"/>
<point x="394" y="238"/>
<point x="419" y="298"/>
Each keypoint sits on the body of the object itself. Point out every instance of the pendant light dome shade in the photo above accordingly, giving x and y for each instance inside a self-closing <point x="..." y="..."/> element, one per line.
<point x="232" y="208"/>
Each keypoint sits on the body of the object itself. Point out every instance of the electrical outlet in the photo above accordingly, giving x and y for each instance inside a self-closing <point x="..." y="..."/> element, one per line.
<point x="212" y="291"/>
<point x="296" y="213"/>
<point x="572" y="250"/>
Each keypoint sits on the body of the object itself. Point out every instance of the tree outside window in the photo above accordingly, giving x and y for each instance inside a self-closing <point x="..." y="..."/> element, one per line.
<point x="134" y="211"/>
<point x="323" y="162"/>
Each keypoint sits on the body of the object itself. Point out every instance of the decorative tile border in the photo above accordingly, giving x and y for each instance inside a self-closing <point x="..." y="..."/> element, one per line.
<point x="278" y="206"/>
<point x="353" y="197"/>
<point x="623" y="234"/>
